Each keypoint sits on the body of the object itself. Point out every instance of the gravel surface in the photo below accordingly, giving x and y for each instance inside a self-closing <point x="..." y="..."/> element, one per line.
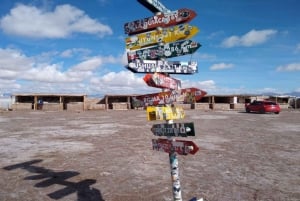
<point x="107" y="155"/>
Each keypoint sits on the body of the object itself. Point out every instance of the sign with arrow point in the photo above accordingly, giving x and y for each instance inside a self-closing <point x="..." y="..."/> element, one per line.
<point x="175" y="129"/>
<point x="181" y="147"/>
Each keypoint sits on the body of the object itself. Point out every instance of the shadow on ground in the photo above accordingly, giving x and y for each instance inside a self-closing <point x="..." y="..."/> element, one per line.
<point x="47" y="177"/>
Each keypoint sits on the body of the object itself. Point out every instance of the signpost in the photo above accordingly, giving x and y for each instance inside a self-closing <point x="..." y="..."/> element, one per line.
<point x="164" y="113"/>
<point x="180" y="16"/>
<point x="174" y="130"/>
<point x="181" y="147"/>
<point x="159" y="80"/>
<point x="186" y="96"/>
<point x="161" y="35"/>
<point x="167" y="50"/>
<point x="162" y="66"/>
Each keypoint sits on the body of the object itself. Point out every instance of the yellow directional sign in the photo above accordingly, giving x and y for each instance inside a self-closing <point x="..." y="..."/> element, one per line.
<point x="164" y="113"/>
<point x="161" y="35"/>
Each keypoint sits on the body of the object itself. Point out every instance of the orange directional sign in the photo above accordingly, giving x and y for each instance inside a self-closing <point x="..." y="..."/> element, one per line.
<point x="162" y="35"/>
<point x="181" y="147"/>
<point x="164" y="113"/>
<point x="160" y="20"/>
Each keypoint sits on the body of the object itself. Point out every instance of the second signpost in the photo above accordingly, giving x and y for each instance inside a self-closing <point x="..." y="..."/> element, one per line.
<point x="150" y="41"/>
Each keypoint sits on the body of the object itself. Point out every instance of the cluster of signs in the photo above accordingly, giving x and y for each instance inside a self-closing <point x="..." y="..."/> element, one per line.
<point x="149" y="43"/>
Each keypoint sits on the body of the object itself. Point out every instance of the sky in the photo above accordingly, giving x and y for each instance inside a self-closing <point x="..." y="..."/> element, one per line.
<point x="78" y="47"/>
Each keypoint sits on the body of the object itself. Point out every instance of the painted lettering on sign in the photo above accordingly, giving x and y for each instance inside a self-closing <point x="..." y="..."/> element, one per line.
<point x="162" y="66"/>
<point x="167" y="50"/>
<point x="176" y="129"/>
<point x="159" y="20"/>
<point x="163" y="35"/>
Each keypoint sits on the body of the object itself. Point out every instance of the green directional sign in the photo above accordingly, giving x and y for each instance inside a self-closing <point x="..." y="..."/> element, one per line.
<point x="176" y="129"/>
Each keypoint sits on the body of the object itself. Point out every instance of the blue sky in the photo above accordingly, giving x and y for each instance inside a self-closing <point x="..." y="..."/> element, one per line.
<point x="75" y="46"/>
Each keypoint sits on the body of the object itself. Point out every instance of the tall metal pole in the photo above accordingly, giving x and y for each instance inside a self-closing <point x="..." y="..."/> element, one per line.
<point x="176" y="187"/>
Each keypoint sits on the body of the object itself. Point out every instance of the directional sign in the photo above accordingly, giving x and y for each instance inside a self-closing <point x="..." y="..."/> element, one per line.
<point x="161" y="35"/>
<point x="181" y="147"/>
<point x="164" y="113"/>
<point x="167" y="50"/>
<point x="160" y="20"/>
<point x="187" y="95"/>
<point x="163" y="66"/>
<point x="154" y="6"/>
<point x="175" y="129"/>
<point x="159" y="80"/>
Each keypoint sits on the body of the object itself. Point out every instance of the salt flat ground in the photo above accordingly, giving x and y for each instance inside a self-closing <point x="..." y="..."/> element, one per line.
<point x="107" y="155"/>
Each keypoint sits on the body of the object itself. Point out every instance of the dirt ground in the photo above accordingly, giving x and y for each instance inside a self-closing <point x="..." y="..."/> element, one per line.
<point x="107" y="155"/>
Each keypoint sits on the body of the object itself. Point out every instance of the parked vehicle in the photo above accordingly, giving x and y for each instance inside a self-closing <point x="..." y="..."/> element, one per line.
<point x="263" y="107"/>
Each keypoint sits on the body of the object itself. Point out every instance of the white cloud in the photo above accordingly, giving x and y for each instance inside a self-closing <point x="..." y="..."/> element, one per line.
<point x="30" y="21"/>
<point x="251" y="38"/>
<point x="221" y="66"/>
<point x="89" y="64"/>
<point x="298" y="47"/>
<point x="14" y="60"/>
<point x="289" y="67"/>
<point x="75" y="51"/>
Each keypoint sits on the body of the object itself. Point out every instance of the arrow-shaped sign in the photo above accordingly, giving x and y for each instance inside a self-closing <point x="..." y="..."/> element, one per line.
<point x="161" y="35"/>
<point x="167" y="50"/>
<point x="181" y="147"/>
<point x="187" y="96"/>
<point x="160" y="20"/>
<point x="175" y="129"/>
<point x="154" y="6"/>
<point x="159" y="80"/>
<point x="162" y="66"/>
<point x="164" y="113"/>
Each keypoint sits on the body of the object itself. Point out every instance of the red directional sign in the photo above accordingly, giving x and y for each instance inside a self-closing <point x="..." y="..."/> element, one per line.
<point x="187" y="95"/>
<point x="181" y="147"/>
<point x="159" y="80"/>
<point x="160" y="20"/>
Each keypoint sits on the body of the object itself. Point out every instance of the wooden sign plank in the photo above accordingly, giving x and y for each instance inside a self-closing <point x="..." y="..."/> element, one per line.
<point x="186" y="96"/>
<point x="167" y="50"/>
<point x="180" y="16"/>
<point x="181" y="147"/>
<point x="164" y="113"/>
<point x="161" y="35"/>
<point x="174" y="130"/>
<point x="159" y="80"/>
<point x="154" y="6"/>
<point x="162" y="66"/>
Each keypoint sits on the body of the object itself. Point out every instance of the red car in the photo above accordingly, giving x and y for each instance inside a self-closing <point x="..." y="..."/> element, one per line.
<point x="262" y="107"/>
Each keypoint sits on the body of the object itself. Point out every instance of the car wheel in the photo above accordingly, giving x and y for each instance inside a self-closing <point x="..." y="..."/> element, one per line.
<point x="276" y="112"/>
<point x="247" y="110"/>
<point x="262" y="111"/>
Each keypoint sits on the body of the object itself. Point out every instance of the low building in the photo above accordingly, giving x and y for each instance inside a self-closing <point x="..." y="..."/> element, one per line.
<point x="48" y="102"/>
